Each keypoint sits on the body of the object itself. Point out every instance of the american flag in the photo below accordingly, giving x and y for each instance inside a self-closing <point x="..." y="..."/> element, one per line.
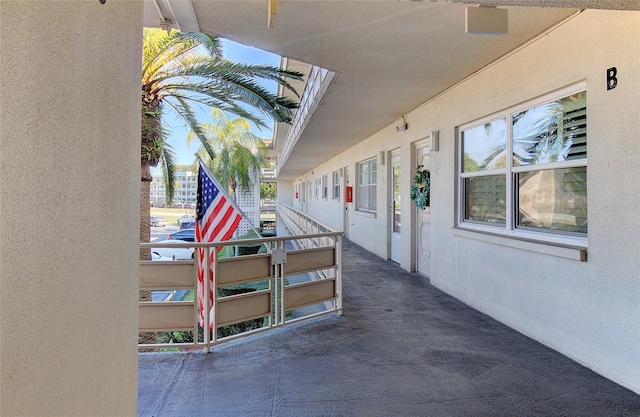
<point x="217" y="218"/>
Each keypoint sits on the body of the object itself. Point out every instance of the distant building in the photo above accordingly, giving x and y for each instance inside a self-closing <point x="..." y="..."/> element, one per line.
<point x="186" y="189"/>
<point x="184" y="195"/>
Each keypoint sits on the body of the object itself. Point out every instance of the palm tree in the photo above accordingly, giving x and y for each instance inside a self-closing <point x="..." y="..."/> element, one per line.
<point x="239" y="153"/>
<point x="183" y="70"/>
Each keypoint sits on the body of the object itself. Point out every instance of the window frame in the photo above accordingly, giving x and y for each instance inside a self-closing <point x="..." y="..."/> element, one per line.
<point x="371" y="200"/>
<point x="337" y="184"/>
<point x="511" y="173"/>
<point x="325" y="186"/>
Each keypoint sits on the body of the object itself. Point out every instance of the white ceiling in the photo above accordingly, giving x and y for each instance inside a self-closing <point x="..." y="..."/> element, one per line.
<point x="389" y="55"/>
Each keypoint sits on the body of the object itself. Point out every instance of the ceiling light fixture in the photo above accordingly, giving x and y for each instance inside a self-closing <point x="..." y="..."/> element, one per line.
<point x="402" y="126"/>
<point x="486" y="20"/>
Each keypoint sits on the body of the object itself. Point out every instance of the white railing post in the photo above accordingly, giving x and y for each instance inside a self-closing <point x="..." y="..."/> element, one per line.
<point x="196" y="306"/>
<point x="205" y="298"/>
<point x="214" y="297"/>
<point x="283" y="246"/>
<point x="339" y="274"/>
<point x="275" y="321"/>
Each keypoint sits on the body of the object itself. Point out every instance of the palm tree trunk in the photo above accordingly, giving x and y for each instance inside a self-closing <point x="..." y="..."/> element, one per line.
<point x="150" y="148"/>
<point x="145" y="204"/>
<point x="145" y="236"/>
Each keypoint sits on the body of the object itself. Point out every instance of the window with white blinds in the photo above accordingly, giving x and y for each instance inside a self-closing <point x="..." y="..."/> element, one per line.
<point x="525" y="170"/>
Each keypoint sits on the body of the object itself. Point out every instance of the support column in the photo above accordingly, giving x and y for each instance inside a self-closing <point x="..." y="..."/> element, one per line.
<point x="69" y="206"/>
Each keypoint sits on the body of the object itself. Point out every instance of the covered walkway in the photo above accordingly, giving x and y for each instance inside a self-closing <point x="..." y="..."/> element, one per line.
<point x="402" y="348"/>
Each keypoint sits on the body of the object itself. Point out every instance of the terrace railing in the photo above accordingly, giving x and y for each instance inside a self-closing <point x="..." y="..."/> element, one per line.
<point x="291" y="278"/>
<point x="309" y="230"/>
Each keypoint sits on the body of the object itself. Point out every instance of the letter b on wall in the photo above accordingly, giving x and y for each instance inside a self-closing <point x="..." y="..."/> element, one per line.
<point x="612" y="78"/>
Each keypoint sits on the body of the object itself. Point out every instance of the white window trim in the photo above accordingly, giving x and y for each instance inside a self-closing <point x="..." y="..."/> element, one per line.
<point x="325" y="187"/>
<point x="559" y="249"/>
<point x="509" y="229"/>
<point x="335" y="184"/>
<point x="357" y="197"/>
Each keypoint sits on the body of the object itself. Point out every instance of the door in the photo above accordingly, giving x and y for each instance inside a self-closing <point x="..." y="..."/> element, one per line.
<point x="423" y="221"/>
<point x="396" y="207"/>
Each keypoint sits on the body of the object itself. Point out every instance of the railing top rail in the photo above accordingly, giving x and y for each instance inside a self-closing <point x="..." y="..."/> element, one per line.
<point x="236" y="242"/>
<point x="331" y="230"/>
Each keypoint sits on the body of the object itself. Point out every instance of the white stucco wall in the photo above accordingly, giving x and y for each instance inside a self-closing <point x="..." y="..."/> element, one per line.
<point x="587" y="310"/>
<point x="284" y="192"/>
<point x="69" y="207"/>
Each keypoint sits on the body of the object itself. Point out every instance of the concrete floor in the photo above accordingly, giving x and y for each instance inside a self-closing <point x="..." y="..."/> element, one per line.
<point x="402" y="348"/>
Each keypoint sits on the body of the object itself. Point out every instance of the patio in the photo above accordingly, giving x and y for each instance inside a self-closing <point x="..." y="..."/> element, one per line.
<point x="402" y="348"/>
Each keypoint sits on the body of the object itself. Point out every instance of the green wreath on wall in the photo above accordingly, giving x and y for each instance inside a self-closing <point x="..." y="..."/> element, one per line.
<point x="421" y="187"/>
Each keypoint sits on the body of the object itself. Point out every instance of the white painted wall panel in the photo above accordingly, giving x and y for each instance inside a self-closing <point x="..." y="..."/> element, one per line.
<point x="69" y="207"/>
<point x="587" y="310"/>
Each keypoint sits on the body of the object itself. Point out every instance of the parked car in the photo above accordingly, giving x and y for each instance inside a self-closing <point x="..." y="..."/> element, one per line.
<point x="186" y="218"/>
<point x="172" y="253"/>
<point x="187" y="225"/>
<point x="188" y="235"/>
<point x="157" y="257"/>
<point x="158" y="221"/>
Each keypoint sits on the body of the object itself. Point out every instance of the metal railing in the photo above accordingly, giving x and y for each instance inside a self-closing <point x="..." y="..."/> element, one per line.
<point x="268" y="173"/>
<point x="299" y="224"/>
<point x="297" y="277"/>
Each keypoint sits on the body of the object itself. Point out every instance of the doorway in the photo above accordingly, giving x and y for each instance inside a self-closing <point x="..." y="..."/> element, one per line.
<point x="396" y="208"/>
<point x="423" y="218"/>
<point x="303" y="196"/>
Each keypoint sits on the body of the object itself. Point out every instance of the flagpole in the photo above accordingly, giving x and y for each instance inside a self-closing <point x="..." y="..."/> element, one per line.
<point x="226" y="194"/>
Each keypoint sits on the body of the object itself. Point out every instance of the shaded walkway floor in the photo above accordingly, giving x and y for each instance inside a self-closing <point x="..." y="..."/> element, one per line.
<point x="403" y="348"/>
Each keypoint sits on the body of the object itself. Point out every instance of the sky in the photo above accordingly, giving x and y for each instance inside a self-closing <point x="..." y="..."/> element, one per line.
<point x="178" y="132"/>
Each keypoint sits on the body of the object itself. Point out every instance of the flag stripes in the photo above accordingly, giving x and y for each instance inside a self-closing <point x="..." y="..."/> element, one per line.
<point x="217" y="219"/>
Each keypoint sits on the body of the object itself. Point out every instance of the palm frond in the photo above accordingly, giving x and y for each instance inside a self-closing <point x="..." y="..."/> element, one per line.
<point x="267" y="72"/>
<point x="240" y="83"/>
<point x="213" y="103"/>
<point x="174" y="55"/>
<point x="239" y="153"/>
<point x="210" y="43"/>
<point x="160" y="50"/>
<point x="167" y="164"/>
<point x="254" y="95"/>
<point x="184" y="110"/>
<point x="246" y="165"/>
